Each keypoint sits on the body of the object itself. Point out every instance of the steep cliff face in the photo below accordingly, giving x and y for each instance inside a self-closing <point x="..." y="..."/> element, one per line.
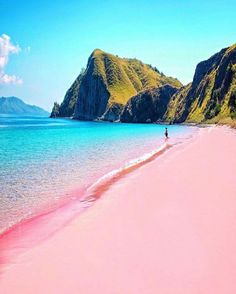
<point x="148" y="106"/>
<point x="211" y="95"/>
<point x="113" y="88"/>
<point x="67" y="107"/>
<point x="109" y="82"/>
<point x="106" y="85"/>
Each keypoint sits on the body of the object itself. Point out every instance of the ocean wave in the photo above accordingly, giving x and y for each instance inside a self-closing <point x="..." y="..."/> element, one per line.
<point x="103" y="183"/>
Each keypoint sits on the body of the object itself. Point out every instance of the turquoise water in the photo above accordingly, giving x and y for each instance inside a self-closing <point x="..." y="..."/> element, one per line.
<point x="44" y="161"/>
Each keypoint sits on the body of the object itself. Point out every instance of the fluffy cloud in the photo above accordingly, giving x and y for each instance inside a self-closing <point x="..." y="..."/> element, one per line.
<point x="7" y="48"/>
<point x="6" y="79"/>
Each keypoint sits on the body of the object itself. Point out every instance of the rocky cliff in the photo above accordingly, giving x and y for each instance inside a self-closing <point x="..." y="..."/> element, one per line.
<point x="149" y="105"/>
<point x="106" y="85"/>
<point x="211" y="97"/>
<point x="67" y="107"/>
<point x="113" y="88"/>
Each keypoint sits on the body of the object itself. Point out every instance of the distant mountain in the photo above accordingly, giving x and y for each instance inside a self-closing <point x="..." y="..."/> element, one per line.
<point x="14" y="105"/>
<point x="106" y="85"/>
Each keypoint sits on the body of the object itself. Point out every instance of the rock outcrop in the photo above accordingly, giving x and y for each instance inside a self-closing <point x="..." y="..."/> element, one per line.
<point x="148" y="106"/>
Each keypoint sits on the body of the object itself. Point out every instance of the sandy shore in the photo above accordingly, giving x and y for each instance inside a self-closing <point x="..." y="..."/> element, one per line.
<point x="168" y="227"/>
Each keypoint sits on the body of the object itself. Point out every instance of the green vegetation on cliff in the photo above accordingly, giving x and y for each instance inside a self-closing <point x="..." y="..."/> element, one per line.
<point x="125" y="77"/>
<point x="107" y="82"/>
<point x="113" y="88"/>
<point x="211" y="97"/>
<point x="67" y="107"/>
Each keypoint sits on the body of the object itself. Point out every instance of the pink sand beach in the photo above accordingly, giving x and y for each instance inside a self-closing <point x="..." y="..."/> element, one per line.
<point x="168" y="227"/>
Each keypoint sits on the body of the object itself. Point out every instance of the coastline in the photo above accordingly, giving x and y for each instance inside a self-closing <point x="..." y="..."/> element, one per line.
<point x="84" y="192"/>
<point x="167" y="226"/>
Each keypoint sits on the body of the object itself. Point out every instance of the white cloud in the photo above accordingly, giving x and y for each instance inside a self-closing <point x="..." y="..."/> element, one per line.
<point x="7" y="48"/>
<point x="6" y="79"/>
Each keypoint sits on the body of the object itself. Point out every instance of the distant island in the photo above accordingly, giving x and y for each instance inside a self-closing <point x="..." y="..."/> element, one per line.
<point x="15" y="106"/>
<point x="127" y="90"/>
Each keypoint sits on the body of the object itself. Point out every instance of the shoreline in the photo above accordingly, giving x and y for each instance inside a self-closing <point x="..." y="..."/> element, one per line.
<point x="86" y="194"/>
<point x="123" y="243"/>
<point x="227" y="122"/>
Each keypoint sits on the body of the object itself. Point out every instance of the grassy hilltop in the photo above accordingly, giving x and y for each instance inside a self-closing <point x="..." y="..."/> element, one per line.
<point x="112" y="88"/>
<point x="109" y="81"/>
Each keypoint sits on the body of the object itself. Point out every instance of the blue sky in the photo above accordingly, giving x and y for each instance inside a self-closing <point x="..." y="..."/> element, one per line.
<point x="56" y="38"/>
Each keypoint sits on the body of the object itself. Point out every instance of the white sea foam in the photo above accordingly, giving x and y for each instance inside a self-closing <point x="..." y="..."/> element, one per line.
<point x="106" y="179"/>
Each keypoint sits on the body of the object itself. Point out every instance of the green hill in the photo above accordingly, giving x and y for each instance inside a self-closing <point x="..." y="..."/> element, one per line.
<point x="211" y="97"/>
<point x="113" y="88"/>
<point x="107" y="84"/>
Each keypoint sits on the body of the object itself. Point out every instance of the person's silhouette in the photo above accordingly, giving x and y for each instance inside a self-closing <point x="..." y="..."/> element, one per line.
<point x="166" y="133"/>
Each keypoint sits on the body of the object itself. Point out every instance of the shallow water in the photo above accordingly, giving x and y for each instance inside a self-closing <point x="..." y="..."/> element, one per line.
<point x="46" y="161"/>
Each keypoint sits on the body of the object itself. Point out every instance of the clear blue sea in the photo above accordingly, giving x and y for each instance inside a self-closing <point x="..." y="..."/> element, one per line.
<point x="43" y="161"/>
